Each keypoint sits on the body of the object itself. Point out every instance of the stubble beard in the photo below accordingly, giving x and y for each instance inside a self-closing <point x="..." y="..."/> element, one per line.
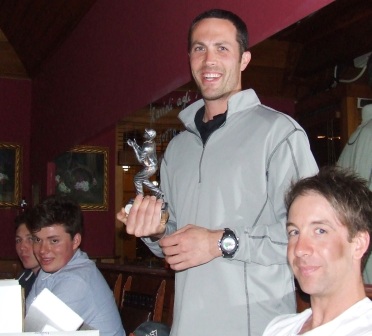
<point x="219" y="93"/>
<point x="209" y="94"/>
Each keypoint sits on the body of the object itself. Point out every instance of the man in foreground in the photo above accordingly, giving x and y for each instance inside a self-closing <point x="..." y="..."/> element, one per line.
<point x="56" y="225"/>
<point x="329" y="228"/>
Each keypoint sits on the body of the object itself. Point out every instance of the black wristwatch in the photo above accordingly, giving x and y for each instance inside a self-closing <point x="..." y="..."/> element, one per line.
<point x="228" y="244"/>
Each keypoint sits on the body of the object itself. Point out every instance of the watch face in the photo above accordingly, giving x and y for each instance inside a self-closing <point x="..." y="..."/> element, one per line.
<point x="228" y="244"/>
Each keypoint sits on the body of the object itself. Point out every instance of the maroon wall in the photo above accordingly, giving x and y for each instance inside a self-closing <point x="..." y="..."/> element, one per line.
<point x="99" y="226"/>
<point x="126" y="55"/>
<point x="122" y="56"/>
<point x="284" y="105"/>
<point x="15" y="112"/>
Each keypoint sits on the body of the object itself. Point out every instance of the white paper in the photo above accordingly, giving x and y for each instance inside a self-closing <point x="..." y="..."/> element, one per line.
<point x="56" y="333"/>
<point x="48" y="313"/>
<point x="10" y="306"/>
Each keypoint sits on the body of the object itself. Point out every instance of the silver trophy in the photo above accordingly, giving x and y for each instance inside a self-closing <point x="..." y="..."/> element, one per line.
<point x="146" y="156"/>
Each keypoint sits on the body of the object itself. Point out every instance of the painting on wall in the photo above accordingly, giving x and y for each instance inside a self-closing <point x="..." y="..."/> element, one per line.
<point x="10" y="174"/>
<point x="81" y="173"/>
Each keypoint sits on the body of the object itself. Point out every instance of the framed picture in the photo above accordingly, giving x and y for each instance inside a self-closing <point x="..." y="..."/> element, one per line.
<point x="10" y="174"/>
<point x="81" y="173"/>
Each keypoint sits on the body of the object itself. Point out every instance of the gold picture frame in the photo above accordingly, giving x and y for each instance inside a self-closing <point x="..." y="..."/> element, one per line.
<point x="82" y="174"/>
<point x="10" y="174"/>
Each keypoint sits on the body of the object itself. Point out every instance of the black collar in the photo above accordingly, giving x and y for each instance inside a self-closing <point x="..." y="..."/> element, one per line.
<point x="207" y="128"/>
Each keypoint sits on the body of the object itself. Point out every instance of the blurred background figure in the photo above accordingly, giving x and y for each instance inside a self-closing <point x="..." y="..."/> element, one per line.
<point x="357" y="155"/>
<point x="24" y="248"/>
<point x="357" y="152"/>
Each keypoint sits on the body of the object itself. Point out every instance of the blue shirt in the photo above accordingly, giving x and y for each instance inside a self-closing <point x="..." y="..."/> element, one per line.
<point x="81" y="286"/>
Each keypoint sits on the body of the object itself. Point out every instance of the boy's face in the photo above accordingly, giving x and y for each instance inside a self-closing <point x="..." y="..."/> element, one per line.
<point x="24" y="248"/>
<point x="54" y="248"/>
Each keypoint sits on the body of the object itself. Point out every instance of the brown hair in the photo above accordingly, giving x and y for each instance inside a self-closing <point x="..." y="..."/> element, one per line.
<point x="241" y="28"/>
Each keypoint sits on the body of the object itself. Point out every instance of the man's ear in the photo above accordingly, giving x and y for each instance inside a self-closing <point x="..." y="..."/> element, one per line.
<point x="361" y="241"/>
<point x="246" y="58"/>
<point x="76" y="241"/>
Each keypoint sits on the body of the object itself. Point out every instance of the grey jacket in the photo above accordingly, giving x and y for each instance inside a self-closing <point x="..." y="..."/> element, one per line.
<point x="237" y="180"/>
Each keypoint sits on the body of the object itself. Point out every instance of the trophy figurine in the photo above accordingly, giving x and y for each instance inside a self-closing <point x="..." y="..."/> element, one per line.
<point x="146" y="156"/>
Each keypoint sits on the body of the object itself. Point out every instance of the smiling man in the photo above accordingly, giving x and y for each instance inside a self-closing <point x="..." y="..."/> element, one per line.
<point x="224" y="179"/>
<point x="56" y="225"/>
<point x="329" y="227"/>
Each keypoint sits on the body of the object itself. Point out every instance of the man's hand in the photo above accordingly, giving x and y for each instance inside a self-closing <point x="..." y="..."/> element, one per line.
<point x="143" y="219"/>
<point x="191" y="246"/>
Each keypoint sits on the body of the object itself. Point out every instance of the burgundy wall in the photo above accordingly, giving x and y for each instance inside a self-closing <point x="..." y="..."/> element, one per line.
<point x="15" y="112"/>
<point x="122" y="56"/>
<point x="284" y="105"/>
<point x="99" y="226"/>
<point x="128" y="54"/>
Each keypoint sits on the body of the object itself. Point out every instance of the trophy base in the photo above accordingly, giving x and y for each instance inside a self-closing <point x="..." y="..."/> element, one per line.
<point x="128" y="206"/>
<point x="164" y="215"/>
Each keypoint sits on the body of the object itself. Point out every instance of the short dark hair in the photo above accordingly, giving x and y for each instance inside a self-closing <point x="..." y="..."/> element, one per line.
<point x="59" y="210"/>
<point x="21" y="218"/>
<point x="241" y="27"/>
<point x="346" y="192"/>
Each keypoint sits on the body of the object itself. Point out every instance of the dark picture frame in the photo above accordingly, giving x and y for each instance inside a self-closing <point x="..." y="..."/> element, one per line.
<point x="10" y="174"/>
<point x="81" y="174"/>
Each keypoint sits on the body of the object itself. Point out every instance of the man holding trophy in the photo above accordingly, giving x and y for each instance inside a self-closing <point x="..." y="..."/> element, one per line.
<point x="224" y="180"/>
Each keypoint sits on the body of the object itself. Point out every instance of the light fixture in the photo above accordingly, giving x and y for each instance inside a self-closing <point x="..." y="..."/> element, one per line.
<point x="126" y="168"/>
